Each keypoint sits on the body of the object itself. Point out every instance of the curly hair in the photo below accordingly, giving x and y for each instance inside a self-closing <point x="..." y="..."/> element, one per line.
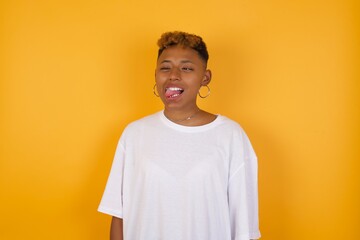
<point x="183" y="39"/>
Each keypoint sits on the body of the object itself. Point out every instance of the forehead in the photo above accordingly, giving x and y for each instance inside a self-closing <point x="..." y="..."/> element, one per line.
<point x="179" y="53"/>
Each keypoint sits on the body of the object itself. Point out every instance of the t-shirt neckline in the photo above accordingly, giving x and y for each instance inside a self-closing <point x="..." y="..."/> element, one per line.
<point x="183" y="128"/>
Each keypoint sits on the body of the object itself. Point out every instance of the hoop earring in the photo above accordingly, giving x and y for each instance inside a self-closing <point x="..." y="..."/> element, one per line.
<point x="154" y="90"/>
<point x="208" y="93"/>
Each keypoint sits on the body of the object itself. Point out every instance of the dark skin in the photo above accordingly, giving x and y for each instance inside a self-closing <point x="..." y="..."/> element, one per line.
<point x="116" y="229"/>
<point x="182" y="67"/>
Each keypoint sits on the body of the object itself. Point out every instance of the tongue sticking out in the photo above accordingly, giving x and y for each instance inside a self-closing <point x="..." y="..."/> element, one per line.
<point x="173" y="92"/>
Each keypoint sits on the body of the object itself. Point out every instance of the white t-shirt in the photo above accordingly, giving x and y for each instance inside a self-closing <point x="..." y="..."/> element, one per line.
<point x="173" y="182"/>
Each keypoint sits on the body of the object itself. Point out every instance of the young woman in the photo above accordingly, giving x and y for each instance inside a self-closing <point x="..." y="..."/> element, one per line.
<point x="182" y="173"/>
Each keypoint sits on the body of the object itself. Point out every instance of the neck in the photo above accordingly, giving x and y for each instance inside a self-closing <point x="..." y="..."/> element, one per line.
<point x="181" y="115"/>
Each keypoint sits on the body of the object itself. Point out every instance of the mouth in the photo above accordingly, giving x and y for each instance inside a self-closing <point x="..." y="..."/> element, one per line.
<point x="173" y="92"/>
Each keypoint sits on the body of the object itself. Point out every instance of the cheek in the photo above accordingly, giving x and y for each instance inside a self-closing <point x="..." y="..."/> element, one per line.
<point x="160" y="77"/>
<point x="160" y="82"/>
<point x="157" y="81"/>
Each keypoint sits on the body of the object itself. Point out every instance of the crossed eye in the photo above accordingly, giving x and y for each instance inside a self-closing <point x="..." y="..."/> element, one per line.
<point x="183" y="68"/>
<point x="187" y="69"/>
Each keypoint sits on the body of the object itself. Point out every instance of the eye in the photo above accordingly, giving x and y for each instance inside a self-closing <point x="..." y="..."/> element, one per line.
<point x="187" y="69"/>
<point x="164" y="68"/>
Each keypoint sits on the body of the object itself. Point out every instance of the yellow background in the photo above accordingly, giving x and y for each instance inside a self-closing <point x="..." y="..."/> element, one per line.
<point x="74" y="73"/>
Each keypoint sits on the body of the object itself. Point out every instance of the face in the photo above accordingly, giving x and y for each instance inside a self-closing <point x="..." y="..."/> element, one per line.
<point x="179" y="74"/>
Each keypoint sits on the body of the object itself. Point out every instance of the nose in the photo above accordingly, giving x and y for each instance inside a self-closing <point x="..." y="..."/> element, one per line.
<point x="174" y="74"/>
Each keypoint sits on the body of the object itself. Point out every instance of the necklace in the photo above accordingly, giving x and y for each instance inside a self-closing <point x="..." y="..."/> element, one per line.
<point x="184" y="119"/>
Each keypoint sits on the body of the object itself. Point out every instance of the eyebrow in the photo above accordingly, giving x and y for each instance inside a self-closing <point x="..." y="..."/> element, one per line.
<point x="182" y="61"/>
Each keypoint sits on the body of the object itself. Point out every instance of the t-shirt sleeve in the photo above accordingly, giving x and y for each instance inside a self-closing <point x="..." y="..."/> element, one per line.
<point x="242" y="191"/>
<point x="111" y="202"/>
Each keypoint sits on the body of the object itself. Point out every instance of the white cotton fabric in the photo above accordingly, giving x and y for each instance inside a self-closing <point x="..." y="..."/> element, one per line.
<point x="172" y="182"/>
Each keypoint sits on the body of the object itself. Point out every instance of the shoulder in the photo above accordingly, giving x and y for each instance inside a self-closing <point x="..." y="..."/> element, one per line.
<point x="235" y="130"/>
<point x="139" y="124"/>
<point x="230" y="125"/>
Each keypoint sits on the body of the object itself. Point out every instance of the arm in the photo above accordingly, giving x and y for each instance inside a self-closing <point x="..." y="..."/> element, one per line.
<point x="116" y="229"/>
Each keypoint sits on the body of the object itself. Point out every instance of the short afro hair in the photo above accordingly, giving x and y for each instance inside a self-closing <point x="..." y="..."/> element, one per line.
<point x="183" y="39"/>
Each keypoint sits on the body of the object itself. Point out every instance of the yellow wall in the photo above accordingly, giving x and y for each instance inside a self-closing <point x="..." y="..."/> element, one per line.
<point x="73" y="73"/>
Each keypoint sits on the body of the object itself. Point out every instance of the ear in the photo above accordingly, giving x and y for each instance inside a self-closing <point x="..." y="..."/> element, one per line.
<point x="207" y="78"/>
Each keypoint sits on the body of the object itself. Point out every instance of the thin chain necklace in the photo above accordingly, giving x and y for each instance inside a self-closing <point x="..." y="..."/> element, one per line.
<point x="184" y="119"/>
